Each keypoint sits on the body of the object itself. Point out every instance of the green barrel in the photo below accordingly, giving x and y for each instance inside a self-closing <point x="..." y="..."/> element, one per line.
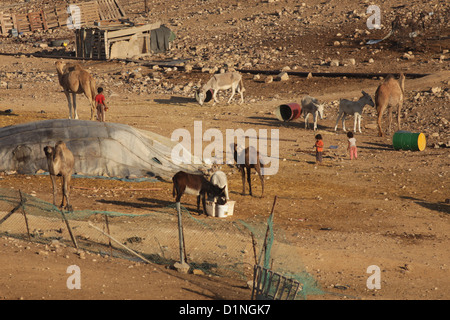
<point x="405" y="140"/>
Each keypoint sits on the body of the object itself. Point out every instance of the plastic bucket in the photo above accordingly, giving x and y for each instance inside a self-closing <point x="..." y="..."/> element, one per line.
<point x="405" y="140"/>
<point x="288" y="112"/>
<point x="222" y="210"/>
<point x="210" y="208"/>
<point x="230" y="207"/>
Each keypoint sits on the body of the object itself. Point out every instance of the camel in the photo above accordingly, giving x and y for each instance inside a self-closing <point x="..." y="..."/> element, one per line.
<point x="75" y="80"/>
<point x="389" y="94"/>
<point x="60" y="162"/>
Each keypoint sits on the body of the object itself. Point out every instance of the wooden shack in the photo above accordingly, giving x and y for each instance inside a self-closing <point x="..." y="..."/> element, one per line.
<point x="113" y="42"/>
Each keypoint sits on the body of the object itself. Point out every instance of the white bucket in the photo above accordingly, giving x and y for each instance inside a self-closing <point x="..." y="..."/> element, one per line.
<point x="222" y="211"/>
<point x="210" y="208"/>
<point x="230" y="207"/>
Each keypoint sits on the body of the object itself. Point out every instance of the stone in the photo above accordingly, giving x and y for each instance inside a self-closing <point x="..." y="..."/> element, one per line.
<point x="283" y="76"/>
<point x="181" y="267"/>
<point x="334" y="63"/>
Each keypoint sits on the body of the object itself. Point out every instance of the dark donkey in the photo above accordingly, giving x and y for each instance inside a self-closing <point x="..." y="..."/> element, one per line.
<point x="198" y="185"/>
<point x="248" y="161"/>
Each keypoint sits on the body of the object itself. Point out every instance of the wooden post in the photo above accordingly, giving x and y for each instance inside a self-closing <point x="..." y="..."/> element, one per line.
<point x="70" y="230"/>
<point x="21" y="203"/>
<point x="122" y="245"/>
<point x="24" y="215"/>
<point x="180" y="234"/>
<point x="109" y="233"/>
<point x="264" y="249"/>
<point x="254" y="248"/>
<point x="11" y="213"/>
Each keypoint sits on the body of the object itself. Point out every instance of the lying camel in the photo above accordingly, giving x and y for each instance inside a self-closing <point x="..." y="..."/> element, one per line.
<point x="388" y="95"/>
<point x="60" y="162"/>
<point x="75" y="80"/>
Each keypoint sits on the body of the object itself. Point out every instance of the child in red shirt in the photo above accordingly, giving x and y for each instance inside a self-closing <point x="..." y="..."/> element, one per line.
<point x="319" y="148"/>
<point x="101" y="105"/>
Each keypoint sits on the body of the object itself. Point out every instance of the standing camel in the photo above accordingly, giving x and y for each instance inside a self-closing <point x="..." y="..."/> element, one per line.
<point x="60" y="163"/>
<point x="389" y="94"/>
<point x="75" y="80"/>
<point x="251" y="160"/>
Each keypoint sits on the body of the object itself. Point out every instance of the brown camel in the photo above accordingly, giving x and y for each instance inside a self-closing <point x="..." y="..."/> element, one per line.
<point x="75" y="80"/>
<point x="249" y="163"/>
<point x="60" y="163"/>
<point x="389" y="94"/>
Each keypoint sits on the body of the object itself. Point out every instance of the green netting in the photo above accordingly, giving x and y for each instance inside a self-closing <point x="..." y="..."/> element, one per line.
<point x="221" y="247"/>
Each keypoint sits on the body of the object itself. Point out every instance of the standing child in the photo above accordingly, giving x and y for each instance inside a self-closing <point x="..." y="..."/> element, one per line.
<point x="101" y="105"/>
<point x="352" y="146"/>
<point x="319" y="148"/>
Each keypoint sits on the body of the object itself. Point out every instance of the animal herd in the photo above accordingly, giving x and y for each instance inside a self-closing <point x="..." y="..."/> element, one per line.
<point x="75" y="80"/>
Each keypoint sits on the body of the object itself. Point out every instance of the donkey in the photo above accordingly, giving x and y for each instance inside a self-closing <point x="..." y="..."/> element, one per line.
<point x="353" y="108"/>
<point x="222" y="81"/>
<point x="196" y="184"/>
<point x="60" y="162"/>
<point x="219" y="178"/>
<point x="250" y="159"/>
<point x="310" y="105"/>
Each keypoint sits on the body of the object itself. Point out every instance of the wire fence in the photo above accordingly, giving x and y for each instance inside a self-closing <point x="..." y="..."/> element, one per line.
<point x="216" y="246"/>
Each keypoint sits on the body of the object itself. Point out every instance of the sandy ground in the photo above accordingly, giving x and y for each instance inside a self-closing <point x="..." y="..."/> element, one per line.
<point x="387" y="208"/>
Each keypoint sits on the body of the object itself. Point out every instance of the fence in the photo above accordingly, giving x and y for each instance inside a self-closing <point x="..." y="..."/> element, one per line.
<point x="215" y="246"/>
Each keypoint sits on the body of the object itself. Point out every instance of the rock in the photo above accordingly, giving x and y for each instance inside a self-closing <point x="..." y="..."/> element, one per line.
<point x="372" y="126"/>
<point x="198" y="272"/>
<point x="351" y="61"/>
<point x="407" y="56"/>
<point x="182" y="267"/>
<point x="269" y="79"/>
<point x="283" y="76"/>
<point x="334" y="63"/>
<point x="436" y="90"/>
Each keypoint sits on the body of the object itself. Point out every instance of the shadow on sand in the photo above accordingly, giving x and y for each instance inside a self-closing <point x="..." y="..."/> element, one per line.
<point x="176" y="100"/>
<point x="435" y="206"/>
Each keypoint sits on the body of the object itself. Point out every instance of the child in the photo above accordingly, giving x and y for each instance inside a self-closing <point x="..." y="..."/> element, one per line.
<point x="319" y="148"/>
<point x="101" y="105"/>
<point x="352" y="146"/>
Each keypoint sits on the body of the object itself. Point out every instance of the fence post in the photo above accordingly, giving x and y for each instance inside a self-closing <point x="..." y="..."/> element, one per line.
<point x="68" y="228"/>
<point x="182" y="266"/>
<point x="22" y="204"/>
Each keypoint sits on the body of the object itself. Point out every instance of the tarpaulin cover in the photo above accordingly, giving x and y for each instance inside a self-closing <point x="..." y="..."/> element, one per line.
<point x="99" y="149"/>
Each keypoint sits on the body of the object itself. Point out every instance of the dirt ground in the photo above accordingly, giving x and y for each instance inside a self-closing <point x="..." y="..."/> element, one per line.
<point x="388" y="208"/>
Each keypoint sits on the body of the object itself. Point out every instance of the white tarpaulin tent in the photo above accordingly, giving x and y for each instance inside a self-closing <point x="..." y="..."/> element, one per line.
<point x="99" y="149"/>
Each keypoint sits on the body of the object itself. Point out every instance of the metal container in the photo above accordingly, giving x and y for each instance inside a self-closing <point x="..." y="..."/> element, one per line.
<point x="405" y="140"/>
<point x="288" y="112"/>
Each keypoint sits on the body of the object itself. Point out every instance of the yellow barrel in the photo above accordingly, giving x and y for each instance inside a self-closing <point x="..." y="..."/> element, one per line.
<point x="405" y="140"/>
